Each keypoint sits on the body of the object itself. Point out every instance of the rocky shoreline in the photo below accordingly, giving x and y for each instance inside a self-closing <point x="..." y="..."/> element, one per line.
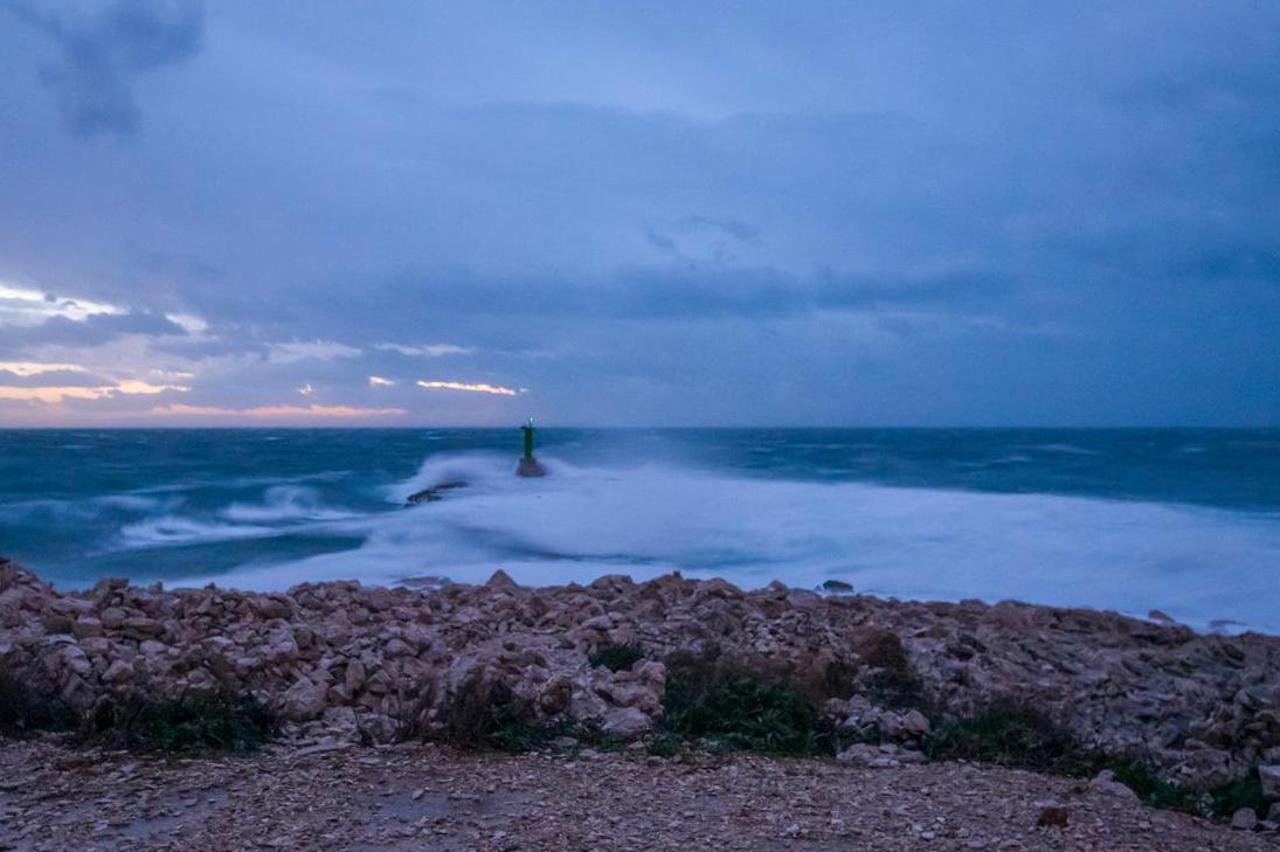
<point x="340" y="662"/>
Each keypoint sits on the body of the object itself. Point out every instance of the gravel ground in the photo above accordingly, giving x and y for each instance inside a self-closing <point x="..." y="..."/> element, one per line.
<point x="424" y="797"/>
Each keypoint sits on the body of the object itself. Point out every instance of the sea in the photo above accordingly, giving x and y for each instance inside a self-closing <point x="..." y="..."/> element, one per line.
<point x="1182" y="521"/>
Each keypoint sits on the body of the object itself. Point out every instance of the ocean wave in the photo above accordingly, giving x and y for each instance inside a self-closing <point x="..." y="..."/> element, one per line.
<point x="579" y="522"/>
<point x="170" y="530"/>
<point x="285" y="503"/>
<point x="84" y="510"/>
<point x="1066" y="449"/>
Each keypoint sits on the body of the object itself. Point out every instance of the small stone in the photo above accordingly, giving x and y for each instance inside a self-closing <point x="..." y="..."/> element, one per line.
<point x="1244" y="819"/>
<point x="86" y="628"/>
<point x="303" y="701"/>
<point x="272" y="607"/>
<point x="1270" y="778"/>
<point x="859" y="754"/>
<point x="143" y="626"/>
<point x="626" y="722"/>
<point x="1106" y="784"/>
<point x="501" y="580"/>
<point x="398" y="648"/>
<point x="117" y="672"/>
<point x="915" y="723"/>
<point x="355" y="677"/>
<point x="113" y="617"/>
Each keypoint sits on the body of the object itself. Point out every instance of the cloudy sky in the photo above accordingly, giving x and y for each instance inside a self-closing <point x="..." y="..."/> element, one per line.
<point x="404" y="213"/>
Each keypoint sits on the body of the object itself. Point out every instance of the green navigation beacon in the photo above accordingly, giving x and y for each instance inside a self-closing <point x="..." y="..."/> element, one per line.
<point x="529" y="465"/>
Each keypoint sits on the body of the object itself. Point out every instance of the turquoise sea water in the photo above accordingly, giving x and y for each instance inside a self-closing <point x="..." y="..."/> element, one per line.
<point x="1185" y="521"/>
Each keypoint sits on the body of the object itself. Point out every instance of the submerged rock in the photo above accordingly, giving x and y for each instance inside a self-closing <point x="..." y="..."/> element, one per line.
<point x="435" y="492"/>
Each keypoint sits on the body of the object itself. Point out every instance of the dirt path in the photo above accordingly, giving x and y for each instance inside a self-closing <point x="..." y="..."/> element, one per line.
<point x="420" y="797"/>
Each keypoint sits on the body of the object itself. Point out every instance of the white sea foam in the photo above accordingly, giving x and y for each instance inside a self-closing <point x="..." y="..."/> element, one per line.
<point x="1196" y="564"/>
<point x="168" y="530"/>
<point x="285" y="503"/>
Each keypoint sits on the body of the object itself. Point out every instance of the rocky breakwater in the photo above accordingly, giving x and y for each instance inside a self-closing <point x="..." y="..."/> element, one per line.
<point x="375" y="664"/>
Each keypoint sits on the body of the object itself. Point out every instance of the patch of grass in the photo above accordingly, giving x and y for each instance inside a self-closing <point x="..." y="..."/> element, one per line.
<point x="1244" y="792"/>
<point x="1018" y="736"/>
<point x="1013" y="735"/>
<point x="731" y="704"/>
<point x="665" y="744"/>
<point x="24" y="710"/>
<point x="616" y="656"/>
<point x="1154" y="790"/>
<point x="223" y="722"/>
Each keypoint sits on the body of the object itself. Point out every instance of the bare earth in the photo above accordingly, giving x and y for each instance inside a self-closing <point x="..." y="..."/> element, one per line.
<point x="425" y="797"/>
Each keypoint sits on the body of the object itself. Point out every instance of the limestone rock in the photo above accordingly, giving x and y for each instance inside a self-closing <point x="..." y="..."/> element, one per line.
<point x="303" y="701"/>
<point x="859" y="755"/>
<point x="626" y="722"/>
<point x="1270" y="778"/>
<point x="1245" y="819"/>
<point x="1106" y="784"/>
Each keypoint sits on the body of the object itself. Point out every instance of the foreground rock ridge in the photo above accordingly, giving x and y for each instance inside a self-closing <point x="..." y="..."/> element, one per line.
<point x="369" y="664"/>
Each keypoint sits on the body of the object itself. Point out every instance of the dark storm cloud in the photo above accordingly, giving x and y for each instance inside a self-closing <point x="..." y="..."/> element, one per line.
<point x="103" y="47"/>
<point x="53" y="378"/>
<point x="833" y="213"/>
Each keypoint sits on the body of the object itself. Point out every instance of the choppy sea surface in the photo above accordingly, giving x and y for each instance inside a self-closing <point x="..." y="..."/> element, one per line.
<point x="1183" y="521"/>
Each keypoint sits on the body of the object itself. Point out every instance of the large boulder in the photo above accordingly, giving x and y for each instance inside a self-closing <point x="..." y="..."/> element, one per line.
<point x="304" y="701"/>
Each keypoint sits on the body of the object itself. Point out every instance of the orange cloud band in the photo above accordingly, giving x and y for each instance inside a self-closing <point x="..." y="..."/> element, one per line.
<point x="461" y="386"/>
<point x="54" y="395"/>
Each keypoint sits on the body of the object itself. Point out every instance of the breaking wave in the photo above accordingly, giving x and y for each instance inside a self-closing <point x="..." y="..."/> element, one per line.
<point x="1198" y="564"/>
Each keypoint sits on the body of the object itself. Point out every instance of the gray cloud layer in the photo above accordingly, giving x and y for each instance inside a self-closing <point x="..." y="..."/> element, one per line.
<point x="841" y="214"/>
<point x="102" y="47"/>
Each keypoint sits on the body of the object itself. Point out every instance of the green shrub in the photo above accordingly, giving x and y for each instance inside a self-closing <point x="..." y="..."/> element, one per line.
<point x="1017" y="736"/>
<point x="707" y="696"/>
<point x="1154" y="790"/>
<point x="665" y="744"/>
<point x="486" y="714"/>
<point x="616" y="656"/>
<point x="1013" y="735"/>
<point x="1244" y="792"/>
<point x="223" y="722"/>
<point x="24" y="710"/>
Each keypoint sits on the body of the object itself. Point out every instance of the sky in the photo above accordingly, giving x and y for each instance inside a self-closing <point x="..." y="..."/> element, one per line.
<point x="661" y="213"/>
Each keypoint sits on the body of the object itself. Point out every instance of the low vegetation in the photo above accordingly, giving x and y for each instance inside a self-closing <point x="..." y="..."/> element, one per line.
<point x="485" y="714"/>
<point x="895" y="683"/>
<point x="222" y="722"/>
<point x="616" y="656"/>
<point x="24" y="710"/>
<point x="1012" y="735"/>
<point x="740" y="707"/>
<point x="1018" y="736"/>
